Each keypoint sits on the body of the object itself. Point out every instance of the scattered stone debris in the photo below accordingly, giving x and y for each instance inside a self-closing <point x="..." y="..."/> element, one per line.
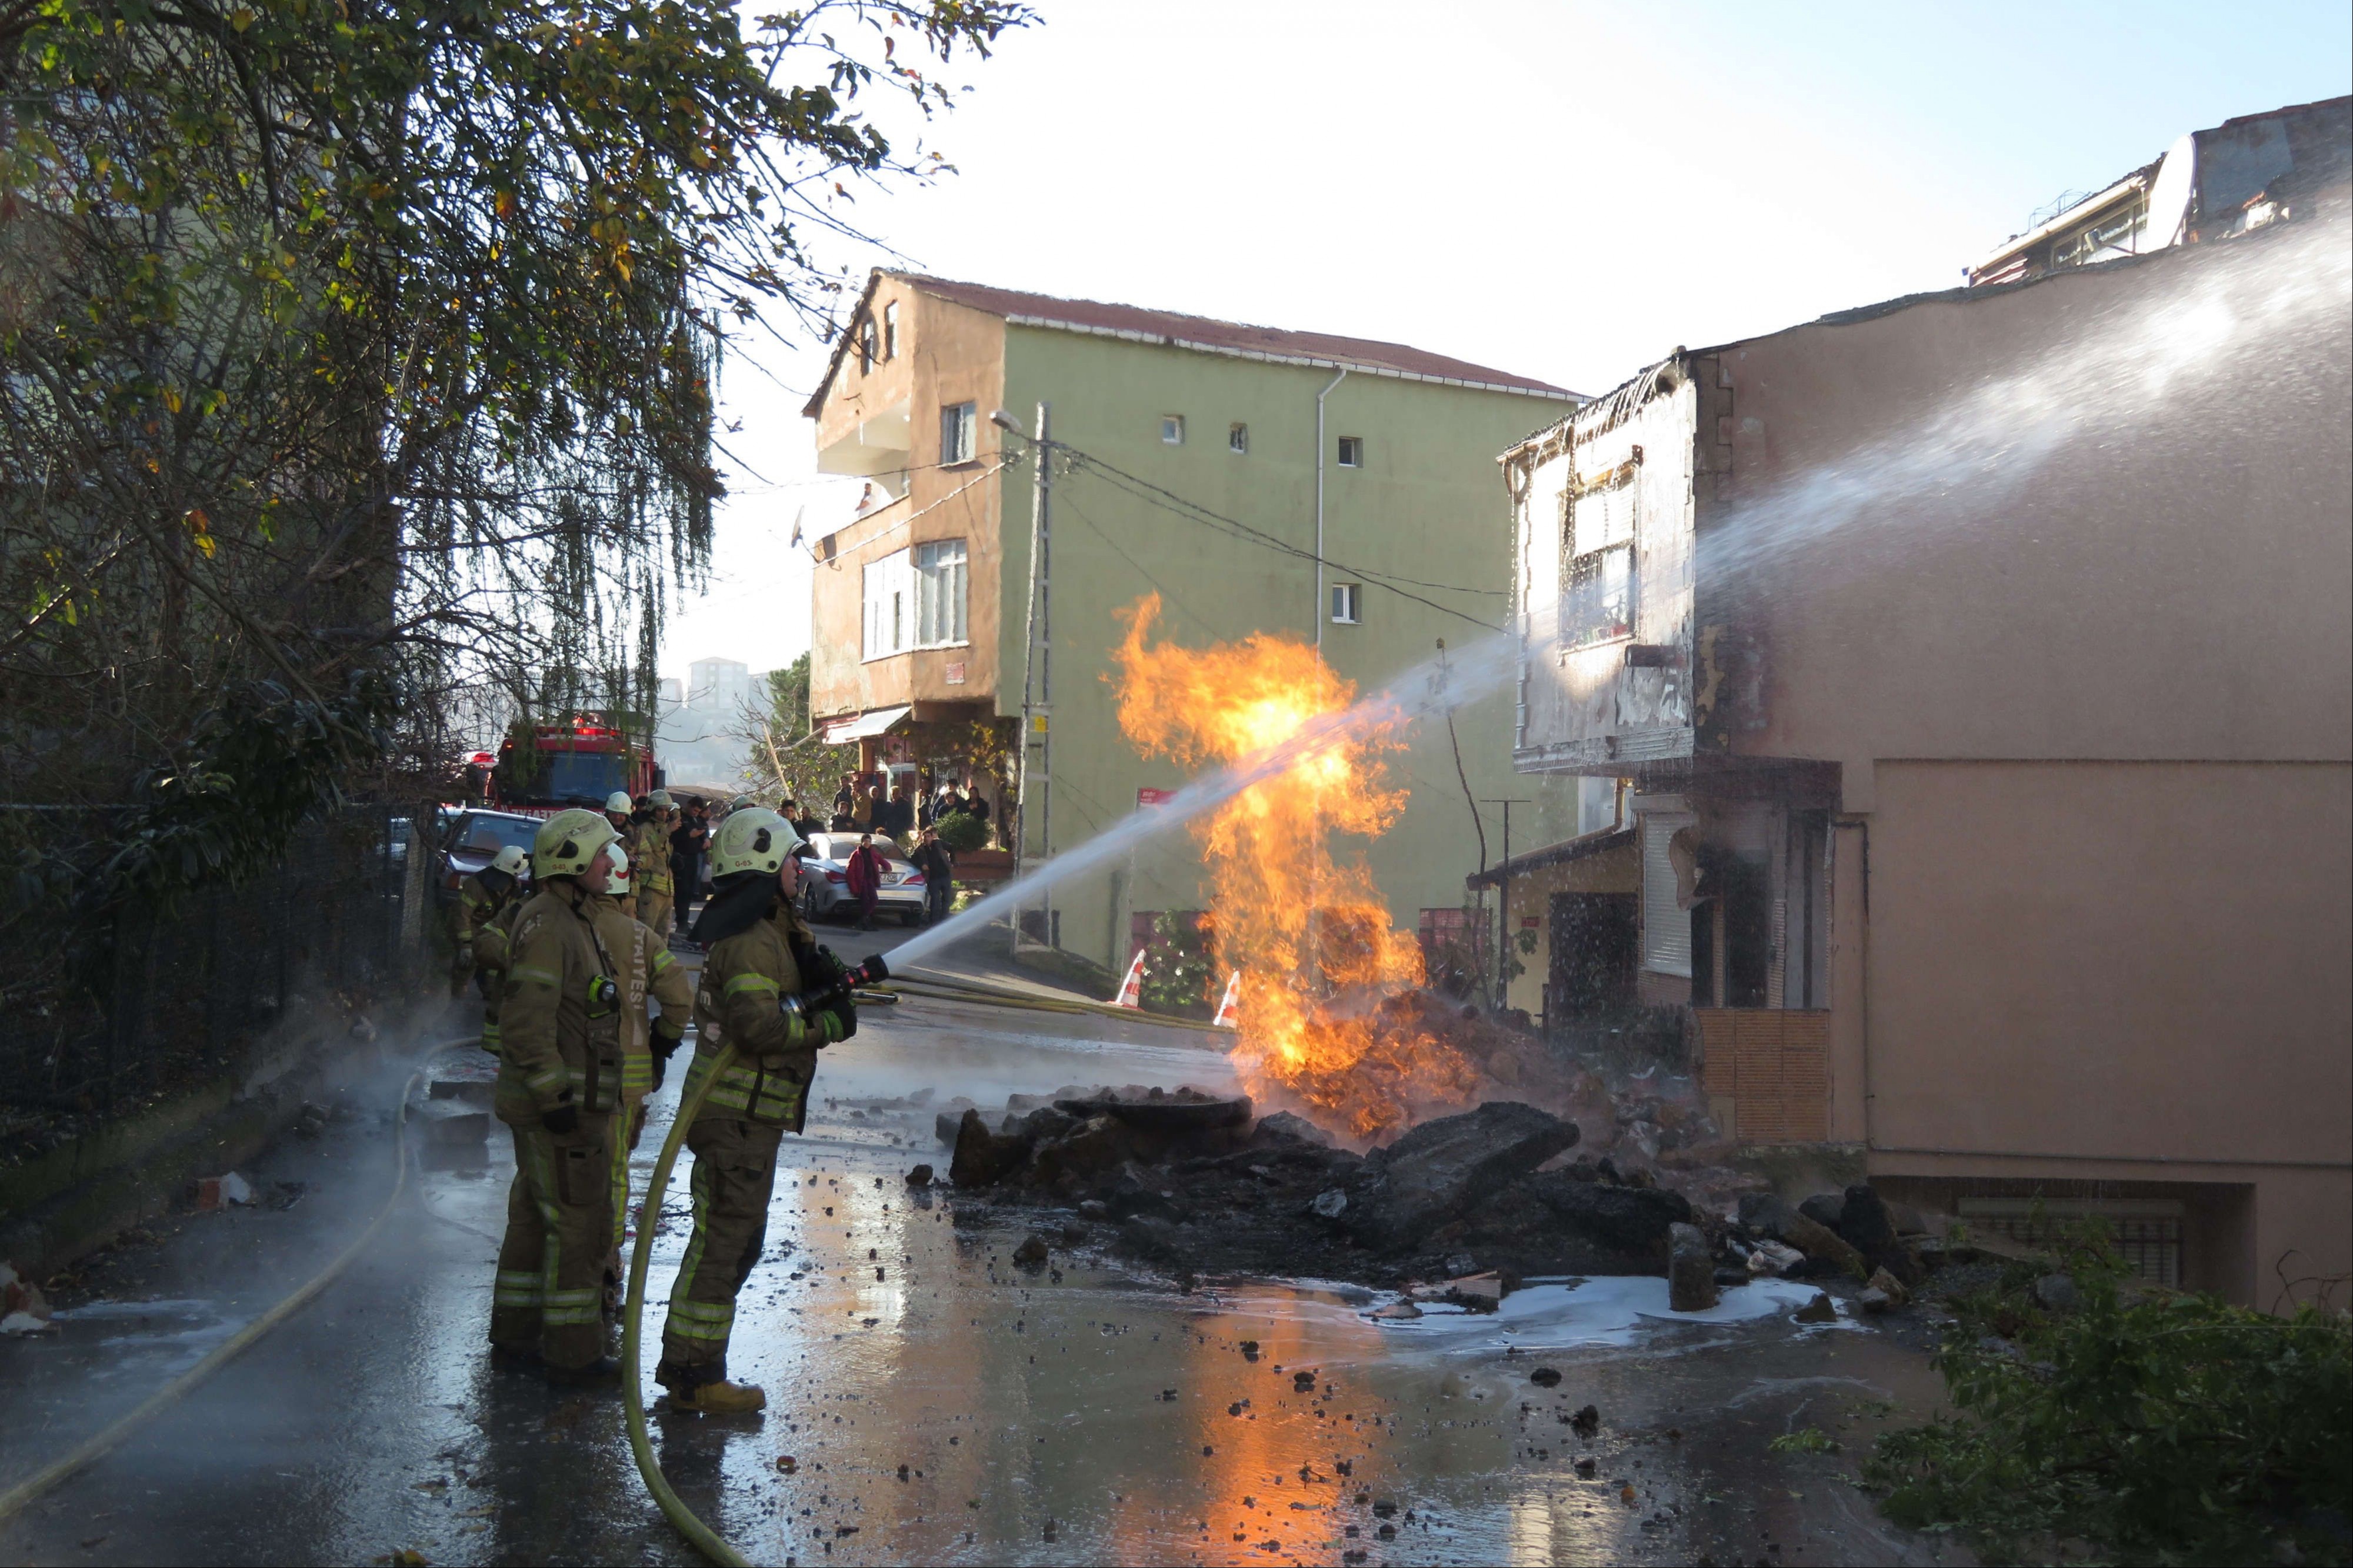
<point x="1690" y="1270"/>
<point x="1884" y="1294"/>
<point x="1032" y="1253"/>
<point x="22" y="1308"/>
<point x="221" y="1192"/>
<point x="1457" y="1209"/>
<point x="1820" y="1309"/>
<point x="921" y="1176"/>
<point x="1546" y="1377"/>
<point x="2058" y="1293"/>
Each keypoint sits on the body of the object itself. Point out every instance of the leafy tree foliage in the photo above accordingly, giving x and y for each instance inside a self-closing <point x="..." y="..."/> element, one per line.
<point x="360" y="360"/>
<point x="381" y="333"/>
<point x="2156" y="1425"/>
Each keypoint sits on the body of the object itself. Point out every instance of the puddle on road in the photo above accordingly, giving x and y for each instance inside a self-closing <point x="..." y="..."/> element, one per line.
<point x="941" y="1406"/>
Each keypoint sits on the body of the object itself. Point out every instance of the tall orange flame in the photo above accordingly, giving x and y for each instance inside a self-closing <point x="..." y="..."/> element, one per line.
<point x="1310" y="935"/>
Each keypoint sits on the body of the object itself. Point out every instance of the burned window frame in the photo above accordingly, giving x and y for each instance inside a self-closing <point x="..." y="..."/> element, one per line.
<point x="1586" y="578"/>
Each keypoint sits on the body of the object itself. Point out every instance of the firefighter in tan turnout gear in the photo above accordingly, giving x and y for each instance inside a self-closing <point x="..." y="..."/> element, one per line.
<point x="616" y="811"/>
<point x="493" y="950"/>
<point x="649" y="973"/>
<point x="761" y="959"/>
<point x="481" y="897"/>
<point x="560" y="1081"/>
<point x="649" y="873"/>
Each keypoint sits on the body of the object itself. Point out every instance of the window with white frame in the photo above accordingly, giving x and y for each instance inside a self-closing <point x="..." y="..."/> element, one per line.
<point x="1347" y="601"/>
<point x="1597" y="580"/>
<point x="958" y="427"/>
<point x="890" y="330"/>
<point x="1172" y="429"/>
<point x="915" y="599"/>
<point x="866" y="349"/>
<point x="1351" y="451"/>
<point x="1238" y="439"/>
<point x="940" y="594"/>
<point x="890" y="592"/>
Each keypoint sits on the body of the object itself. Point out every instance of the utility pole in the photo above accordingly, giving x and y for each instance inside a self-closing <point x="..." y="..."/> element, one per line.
<point x="1036" y="672"/>
<point x="1504" y="897"/>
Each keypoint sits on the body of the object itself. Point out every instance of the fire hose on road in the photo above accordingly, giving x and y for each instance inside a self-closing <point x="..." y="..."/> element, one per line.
<point x="14" y="1499"/>
<point x="707" y="1541"/>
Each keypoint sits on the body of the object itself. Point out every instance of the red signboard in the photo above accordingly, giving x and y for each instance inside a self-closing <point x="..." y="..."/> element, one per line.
<point x="1144" y="797"/>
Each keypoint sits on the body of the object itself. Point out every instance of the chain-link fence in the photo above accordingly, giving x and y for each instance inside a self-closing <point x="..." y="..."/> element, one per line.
<point x="153" y="1002"/>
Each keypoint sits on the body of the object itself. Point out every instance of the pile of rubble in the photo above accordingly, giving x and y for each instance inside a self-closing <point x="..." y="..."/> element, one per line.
<point x="1191" y="1183"/>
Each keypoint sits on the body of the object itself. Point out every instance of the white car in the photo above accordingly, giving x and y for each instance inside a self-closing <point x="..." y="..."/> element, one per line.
<point x="824" y="880"/>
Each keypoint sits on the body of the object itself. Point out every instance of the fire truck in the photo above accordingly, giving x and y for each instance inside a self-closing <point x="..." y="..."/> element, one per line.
<point x="577" y="760"/>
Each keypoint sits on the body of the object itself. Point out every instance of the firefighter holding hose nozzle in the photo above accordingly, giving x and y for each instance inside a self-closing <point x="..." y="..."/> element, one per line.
<point x="771" y="993"/>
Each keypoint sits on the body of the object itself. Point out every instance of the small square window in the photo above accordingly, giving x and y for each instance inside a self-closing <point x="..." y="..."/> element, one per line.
<point x="1346" y="600"/>
<point x="1172" y="429"/>
<point x="1238" y="439"/>
<point x="1351" y="451"/>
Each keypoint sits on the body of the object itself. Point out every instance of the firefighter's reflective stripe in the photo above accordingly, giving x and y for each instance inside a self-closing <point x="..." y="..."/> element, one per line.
<point x="767" y="1094"/>
<point x="637" y="1075"/>
<point x="547" y="977"/>
<point x="518" y="1288"/>
<point x="572" y="1306"/>
<point x="751" y="982"/>
<point x="700" y="1320"/>
<point x="662" y="959"/>
<point x="491" y="1035"/>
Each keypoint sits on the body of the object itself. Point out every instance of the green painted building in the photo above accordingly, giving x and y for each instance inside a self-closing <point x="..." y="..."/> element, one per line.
<point x="1196" y="451"/>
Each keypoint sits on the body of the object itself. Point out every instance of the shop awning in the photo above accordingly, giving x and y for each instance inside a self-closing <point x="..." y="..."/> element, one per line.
<point x="1568" y="849"/>
<point x="864" y="726"/>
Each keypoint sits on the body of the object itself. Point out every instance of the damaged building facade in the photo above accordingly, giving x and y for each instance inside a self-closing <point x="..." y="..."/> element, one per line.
<point x="1976" y="671"/>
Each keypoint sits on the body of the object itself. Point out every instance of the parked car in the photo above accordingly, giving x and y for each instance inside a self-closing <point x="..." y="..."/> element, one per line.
<point x="825" y="882"/>
<point x="475" y="838"/>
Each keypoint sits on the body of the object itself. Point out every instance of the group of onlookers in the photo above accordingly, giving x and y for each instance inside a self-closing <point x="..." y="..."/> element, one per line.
<point x="890" y="803"/>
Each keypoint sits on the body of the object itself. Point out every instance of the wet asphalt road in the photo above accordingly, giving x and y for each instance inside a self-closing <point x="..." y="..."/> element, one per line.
<point x="936" y="1403"/>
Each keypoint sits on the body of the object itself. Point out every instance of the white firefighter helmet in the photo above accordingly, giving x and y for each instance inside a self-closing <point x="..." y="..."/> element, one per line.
<point x="660" y="800"/>
<point x="568" y="841"/>
<point x="617" y="803"/>
<point x="742" y="803"/>
<point x="509" y="859"/>
<point x="618" y="884"/>
<point x="754" y="839"/>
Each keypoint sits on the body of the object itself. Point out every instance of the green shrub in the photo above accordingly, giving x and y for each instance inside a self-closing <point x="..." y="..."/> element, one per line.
<point x="2160" y="1425"/>
<point x="961" y="831"/>
<point x="1179" y="968"/>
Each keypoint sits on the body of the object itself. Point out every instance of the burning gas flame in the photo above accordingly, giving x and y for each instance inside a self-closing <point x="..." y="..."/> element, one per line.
<point x="1311" y="936"/>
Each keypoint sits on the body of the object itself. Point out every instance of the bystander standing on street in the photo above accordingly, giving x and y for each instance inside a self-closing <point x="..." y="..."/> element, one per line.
<point x="932" y="858"/>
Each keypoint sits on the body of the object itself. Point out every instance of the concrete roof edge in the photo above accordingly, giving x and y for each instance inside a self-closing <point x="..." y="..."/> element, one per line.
<point x="1364" y="367"/>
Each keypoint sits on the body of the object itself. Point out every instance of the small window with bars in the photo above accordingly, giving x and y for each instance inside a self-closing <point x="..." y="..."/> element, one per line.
<point x="2145" y="1232"/>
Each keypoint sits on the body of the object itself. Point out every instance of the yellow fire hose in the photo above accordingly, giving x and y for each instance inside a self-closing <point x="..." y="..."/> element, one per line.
<point x="706" y="1540"/>
<point x="14" y="1499"/>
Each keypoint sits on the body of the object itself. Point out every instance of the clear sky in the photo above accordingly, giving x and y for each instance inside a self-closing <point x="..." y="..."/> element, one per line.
<point x="1564" y="191"/>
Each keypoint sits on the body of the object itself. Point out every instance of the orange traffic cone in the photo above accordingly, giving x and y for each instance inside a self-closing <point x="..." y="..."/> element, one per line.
<point x="1227" y="1008"/>
<point x="1131" y="990"/>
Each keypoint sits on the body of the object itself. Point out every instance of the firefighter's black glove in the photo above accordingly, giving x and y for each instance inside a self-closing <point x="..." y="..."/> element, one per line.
<point x="563" y="1120"/>
<point x="842" y="1016"/>
<point x="820" y="970"/>
<point x="665" y="1046"/>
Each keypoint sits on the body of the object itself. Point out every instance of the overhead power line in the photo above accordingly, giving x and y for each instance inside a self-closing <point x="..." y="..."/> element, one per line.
<point x="1194" y="512"/>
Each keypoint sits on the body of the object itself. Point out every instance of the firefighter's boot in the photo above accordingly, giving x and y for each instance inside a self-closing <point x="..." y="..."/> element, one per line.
<point x="719" y="1397"/>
